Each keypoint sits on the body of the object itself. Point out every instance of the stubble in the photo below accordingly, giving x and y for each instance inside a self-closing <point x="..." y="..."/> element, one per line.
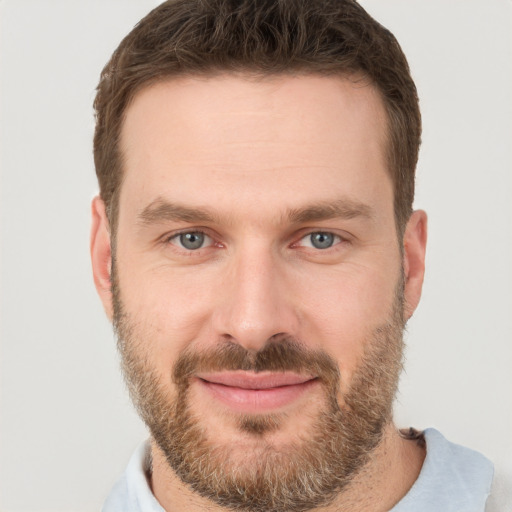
<point x="305" y="473"/>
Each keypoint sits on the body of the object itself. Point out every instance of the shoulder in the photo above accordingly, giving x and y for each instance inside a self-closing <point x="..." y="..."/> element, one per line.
<point x="449" y="459"/>
<point x="453" y="479"/>
<point x="132" y="492"/>
<point x="118" y="499"/>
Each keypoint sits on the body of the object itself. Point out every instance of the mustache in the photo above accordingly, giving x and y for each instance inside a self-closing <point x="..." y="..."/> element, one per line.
<point x="279" y="354"/>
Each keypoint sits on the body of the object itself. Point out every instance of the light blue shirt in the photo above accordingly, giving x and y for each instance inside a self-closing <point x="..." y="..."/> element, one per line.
<point x="453" y="479"/>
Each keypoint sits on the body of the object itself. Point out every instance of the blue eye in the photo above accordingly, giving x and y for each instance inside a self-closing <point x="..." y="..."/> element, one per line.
<point x="191" y="241"/>
<point x="320" y="240"/>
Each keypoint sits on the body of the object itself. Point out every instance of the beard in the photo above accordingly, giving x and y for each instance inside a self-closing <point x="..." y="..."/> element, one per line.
<point x="304" y="473"/>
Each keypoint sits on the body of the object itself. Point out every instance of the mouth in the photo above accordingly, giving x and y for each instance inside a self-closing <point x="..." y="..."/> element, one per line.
<point x="251" y="392"/>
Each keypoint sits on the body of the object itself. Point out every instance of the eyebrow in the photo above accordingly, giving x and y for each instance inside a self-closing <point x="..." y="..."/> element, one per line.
<point x="340" y="209"/>
<point x="161" y="210"/>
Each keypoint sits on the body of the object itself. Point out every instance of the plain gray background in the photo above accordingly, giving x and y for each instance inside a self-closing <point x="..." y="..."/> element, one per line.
<point x="67" y="428"/>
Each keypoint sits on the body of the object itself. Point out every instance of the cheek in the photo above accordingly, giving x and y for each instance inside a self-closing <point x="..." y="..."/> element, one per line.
<point x="356" y="298"/>
<point x="341" y="311"/>
<point x="168" y="309"/>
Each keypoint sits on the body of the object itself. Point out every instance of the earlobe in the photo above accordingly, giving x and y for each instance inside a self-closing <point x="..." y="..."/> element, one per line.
<point x="101" y="254"/>
<point x="415" y="243"/>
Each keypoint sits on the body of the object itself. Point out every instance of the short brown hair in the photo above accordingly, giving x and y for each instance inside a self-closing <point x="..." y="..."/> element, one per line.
<point x="191" y="37"/>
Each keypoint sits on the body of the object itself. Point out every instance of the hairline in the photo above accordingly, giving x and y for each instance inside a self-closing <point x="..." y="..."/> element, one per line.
<point x="252" y="74"/>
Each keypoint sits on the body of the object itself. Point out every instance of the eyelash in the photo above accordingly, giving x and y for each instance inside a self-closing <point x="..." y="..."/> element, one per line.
<point x="175" y="236"/>
<point x="338" y="240"/>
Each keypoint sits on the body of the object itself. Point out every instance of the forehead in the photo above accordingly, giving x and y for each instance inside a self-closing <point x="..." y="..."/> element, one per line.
<point x="282" y="139"/>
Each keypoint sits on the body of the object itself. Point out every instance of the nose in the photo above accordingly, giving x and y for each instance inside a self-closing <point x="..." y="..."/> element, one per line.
<point x="256" y="303"/>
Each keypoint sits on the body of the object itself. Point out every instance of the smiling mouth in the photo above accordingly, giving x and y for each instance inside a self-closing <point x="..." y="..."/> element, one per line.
<point x="251" y="392"/>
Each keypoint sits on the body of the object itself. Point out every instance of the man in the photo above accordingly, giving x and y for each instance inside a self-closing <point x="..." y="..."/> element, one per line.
<point x="255" y="247"/>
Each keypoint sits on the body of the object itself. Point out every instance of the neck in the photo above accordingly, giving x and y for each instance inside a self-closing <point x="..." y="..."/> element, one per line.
<point x="383" y="481"/>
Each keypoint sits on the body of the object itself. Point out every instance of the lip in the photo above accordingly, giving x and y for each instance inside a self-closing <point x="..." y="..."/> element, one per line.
<point x="255" y="392"/>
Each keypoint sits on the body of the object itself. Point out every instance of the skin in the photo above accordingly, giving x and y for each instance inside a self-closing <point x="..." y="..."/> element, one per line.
<point x="253" y="154"/>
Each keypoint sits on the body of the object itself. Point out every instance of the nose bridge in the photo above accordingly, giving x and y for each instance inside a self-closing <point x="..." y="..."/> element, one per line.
<point x="256" y="303"/>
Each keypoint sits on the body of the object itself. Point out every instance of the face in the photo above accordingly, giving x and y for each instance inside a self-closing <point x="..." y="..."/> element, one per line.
<point x="258" y="282"/>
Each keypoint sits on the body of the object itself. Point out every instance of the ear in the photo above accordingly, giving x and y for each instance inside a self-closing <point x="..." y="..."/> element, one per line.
<point x="101" y="254"/>
<point x="415" y="243"/>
